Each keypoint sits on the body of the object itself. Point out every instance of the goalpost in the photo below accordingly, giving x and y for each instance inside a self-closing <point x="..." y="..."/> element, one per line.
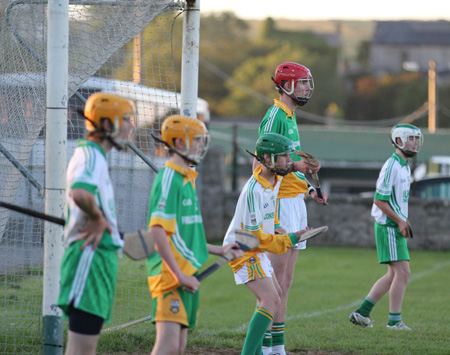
<point x="126" y="47"/>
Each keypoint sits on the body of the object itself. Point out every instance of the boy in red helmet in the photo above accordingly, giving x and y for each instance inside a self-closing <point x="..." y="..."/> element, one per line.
<point x="295" y="85"/>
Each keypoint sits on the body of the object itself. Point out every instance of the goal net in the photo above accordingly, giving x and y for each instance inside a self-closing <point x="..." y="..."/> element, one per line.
<point x="124" y="47"/>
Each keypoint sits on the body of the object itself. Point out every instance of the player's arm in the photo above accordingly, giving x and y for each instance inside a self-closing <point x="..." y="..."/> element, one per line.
<point x="313" y="193"/>
<point x="163" y="247"/>
<point x="388" y="211"/>
<point x="277" y="243"/>
<point x="96" y="222"/>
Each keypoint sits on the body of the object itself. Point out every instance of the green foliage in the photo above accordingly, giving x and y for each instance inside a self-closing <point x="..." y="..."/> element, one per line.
<point x="387" y="97"/>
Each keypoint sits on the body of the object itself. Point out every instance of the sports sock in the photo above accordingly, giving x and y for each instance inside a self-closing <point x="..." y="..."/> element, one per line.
<point x="394" y="318"/>
<point x="256" y="329"/>
<point x="267" y="343"/>
<point x="366" y="306"/>
<point x="278" y="338"/>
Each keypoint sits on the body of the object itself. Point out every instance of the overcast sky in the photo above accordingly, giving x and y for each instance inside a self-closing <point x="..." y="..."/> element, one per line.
<point x="332" y="9"/>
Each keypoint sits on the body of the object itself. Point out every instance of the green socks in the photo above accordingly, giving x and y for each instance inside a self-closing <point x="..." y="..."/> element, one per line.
<point x="267" y="343"/>
<point x="366" y="306"/>
<point x="256" y="329"/>
<point x="394" y="318"/>
<point x="278" y="338"/>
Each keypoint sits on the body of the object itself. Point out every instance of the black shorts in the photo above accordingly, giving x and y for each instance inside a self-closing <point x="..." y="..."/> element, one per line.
<point x="84" y="323"/>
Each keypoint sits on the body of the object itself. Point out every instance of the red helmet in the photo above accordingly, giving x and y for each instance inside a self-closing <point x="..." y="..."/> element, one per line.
<point x="295" y="73"/>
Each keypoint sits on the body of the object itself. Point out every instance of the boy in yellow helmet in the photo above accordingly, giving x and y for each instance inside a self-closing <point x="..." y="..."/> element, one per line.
<point x="89" y="265"/>
<point x="175" y="222"/>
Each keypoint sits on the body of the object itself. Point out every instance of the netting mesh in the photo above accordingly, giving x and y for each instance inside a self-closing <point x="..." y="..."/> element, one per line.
<point x="118" y="46"/>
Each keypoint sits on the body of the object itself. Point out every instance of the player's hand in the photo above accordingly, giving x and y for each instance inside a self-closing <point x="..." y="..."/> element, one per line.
<point x="403" y="226"/>
<point x="237" y="253"/>
<point x="93" y="231"/>
<point x="305" y="168"/>
<point x="299" y="233"/>
<point x="190" y="283"/>
<point x="280" y="230"/>
<point x="323" y="200"/>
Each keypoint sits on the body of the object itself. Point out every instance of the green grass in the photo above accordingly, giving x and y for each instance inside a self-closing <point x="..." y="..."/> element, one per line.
<point x="329" y="283"/>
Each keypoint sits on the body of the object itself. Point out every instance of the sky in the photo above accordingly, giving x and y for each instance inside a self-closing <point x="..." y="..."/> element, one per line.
<point x="332" y="9"/>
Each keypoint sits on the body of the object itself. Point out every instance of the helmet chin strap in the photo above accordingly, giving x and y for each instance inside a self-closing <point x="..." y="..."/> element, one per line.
<point x="176" y="151"/>
<point x="115" y="144"/>
<point x="300" y="101"/>
<point x="409" y="153"/>
<point x="406" y="153"/>
<point x="281" y="172"/>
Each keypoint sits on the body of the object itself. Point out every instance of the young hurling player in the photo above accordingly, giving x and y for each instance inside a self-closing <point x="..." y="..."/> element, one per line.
<point x="256" y="213"/>
<point x="89" y="264"/>
<point x="175" y="222"/>
<point x="390" y="210"/>
<point x="295" y="86"/>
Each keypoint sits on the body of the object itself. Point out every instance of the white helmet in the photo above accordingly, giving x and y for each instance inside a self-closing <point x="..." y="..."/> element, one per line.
<point x="404" y="131"/>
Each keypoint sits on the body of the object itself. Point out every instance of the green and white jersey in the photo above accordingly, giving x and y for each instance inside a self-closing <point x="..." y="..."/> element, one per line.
<point x="280" y="119"/>
<point x="174" y="207"/>
<point x="393" y="186"/>
<point x="88" y="169"/>
<point x="256" y="213"/>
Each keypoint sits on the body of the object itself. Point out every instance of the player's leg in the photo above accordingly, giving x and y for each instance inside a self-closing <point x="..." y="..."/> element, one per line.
<point x="293" y="217"/>
<point x="183" y="339"/>
<point x="168" y="339"/>
<point x="397" y="293"/>
<point x="84" y="332"/>
<point x="398" y="286"/>
<point x="399" y="264"/>
<point x="174" y="312"/>
<point x="361" y="316"/>
<point x="267" y="301"/>
<point x="267" y="341"/>
<point x="81" y="344"/>
<point x="256" y="274"/>
<point x="283" y="266"/>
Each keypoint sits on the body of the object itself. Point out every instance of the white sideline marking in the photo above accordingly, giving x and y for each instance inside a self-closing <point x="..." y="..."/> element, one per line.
<point x="355" y="303"/>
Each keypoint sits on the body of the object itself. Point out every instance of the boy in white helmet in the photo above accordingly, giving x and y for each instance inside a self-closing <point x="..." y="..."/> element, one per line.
<point x="390" y="210"/>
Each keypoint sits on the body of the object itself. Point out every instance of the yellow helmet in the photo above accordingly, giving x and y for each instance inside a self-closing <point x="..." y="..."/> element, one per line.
<point x="102" y="105"/>
<point x="188" y="129"/>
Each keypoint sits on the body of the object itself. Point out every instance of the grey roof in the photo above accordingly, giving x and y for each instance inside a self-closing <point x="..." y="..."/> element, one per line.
<point x="412" y="32"/>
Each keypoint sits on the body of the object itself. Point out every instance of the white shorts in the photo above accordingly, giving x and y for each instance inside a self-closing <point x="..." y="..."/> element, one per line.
<point x="292" y="215"/>
<point x="260" y="267"/>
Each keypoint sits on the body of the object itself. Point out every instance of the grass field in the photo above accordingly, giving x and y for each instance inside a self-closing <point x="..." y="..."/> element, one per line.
<point x="329" y="283"/>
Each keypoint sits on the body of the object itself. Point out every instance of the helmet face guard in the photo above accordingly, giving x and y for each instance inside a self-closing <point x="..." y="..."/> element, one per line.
<point x="274" y="144"/>
<point x="191" y="131"/>
<point x="300" y="80"/>
<point x="407" y="133"/>
<point x="115" y="108"/>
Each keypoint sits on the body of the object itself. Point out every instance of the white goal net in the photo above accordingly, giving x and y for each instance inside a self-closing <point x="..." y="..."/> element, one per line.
<point x="118" y="46"/>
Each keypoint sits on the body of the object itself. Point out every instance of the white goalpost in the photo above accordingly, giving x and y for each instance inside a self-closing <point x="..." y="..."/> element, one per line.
<point x="55" y="169"/>
<point x="50" y="64"/>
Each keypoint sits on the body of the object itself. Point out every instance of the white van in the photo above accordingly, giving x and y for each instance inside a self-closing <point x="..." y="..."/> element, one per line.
<point x="151" y="103"/>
